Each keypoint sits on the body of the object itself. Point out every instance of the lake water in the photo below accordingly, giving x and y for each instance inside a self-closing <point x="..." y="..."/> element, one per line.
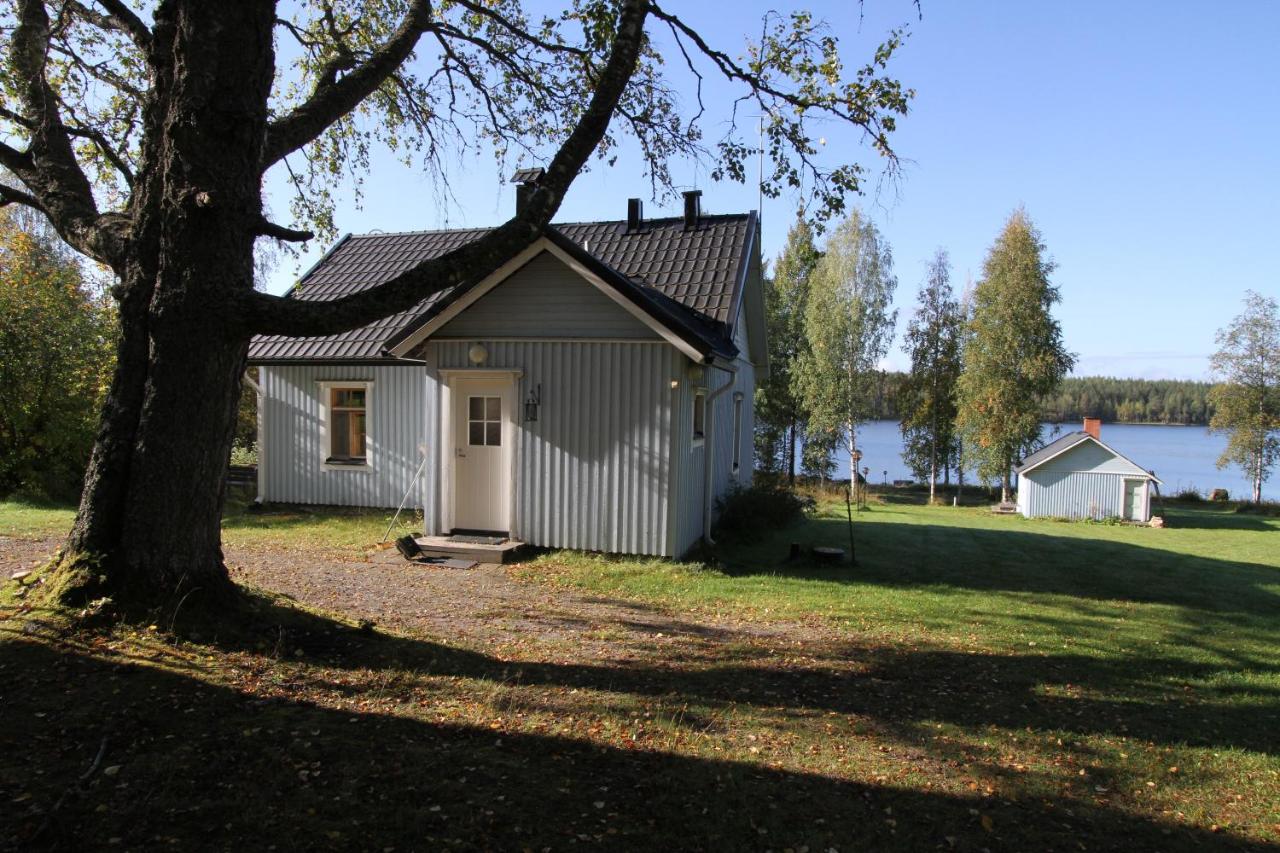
<point x="1182" y="456"/>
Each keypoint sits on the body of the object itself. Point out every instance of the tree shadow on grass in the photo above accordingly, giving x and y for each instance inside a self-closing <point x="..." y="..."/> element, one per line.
<point x="1013" y="560"/>
<point x="1213" y="519"/>
<point x="1164" y="700"/>
<point x="186" y="764"/>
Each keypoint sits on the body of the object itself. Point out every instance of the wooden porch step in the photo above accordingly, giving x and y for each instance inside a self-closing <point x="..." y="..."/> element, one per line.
<point x="443" y="546"/>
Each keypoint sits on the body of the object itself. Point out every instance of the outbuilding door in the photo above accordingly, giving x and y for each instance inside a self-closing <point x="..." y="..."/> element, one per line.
<point x="1135" y="492"/>
<point x="482" y="436"/>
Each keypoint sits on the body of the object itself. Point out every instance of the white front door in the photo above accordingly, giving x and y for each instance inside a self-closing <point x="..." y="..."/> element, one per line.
<point x="482" y="435"/>
<point x="1134" y="492"/>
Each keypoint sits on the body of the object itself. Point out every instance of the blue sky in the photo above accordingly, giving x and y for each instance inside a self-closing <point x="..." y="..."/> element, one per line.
<point x="1143" y="139"/>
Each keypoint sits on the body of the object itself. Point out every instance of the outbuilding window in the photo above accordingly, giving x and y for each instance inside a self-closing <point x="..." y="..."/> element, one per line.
<point x="345" y="415"/>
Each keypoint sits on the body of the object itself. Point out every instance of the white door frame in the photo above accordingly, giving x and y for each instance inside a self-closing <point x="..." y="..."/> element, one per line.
<point x="449" y="397"/>
<point x="1143" y="500"/>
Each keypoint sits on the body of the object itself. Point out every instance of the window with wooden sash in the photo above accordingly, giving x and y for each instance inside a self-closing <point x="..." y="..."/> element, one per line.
<point x="348" y="419"/>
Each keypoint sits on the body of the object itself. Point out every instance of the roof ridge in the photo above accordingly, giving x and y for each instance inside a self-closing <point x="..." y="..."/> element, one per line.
<point x="484" y="228"/>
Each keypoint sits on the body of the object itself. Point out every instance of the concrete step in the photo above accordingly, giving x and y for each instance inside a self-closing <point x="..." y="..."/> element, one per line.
<point x="441" y="546"/>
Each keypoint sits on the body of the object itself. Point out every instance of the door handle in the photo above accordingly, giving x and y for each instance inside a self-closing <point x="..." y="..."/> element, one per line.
<point x="461" y="453"/>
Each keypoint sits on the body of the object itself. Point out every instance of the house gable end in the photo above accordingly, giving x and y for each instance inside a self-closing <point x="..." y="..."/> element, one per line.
<point x="1087" y="456"/>
<point x="545" y="298"/>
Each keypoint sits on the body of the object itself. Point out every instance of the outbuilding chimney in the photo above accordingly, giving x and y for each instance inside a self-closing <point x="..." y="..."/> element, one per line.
<point x="692" y="208"/>
<point x="1093" y="426"/>
<point x="635" y="215"/>
<point x="526" y="181"/>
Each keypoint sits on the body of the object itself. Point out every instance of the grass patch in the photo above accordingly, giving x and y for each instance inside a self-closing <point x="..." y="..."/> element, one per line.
<point x="20" y="519"/>
<point x="276" y="526"/>
<point x="976" y="682"/>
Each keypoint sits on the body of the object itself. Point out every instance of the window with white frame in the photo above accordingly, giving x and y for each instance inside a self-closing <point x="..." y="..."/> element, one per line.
<point x="737" y="432"/>
<point x="699" y="414"/>
<point x="346" y="423"/>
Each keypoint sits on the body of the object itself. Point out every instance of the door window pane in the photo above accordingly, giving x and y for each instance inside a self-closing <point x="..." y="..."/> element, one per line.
<point x="484" y="421"/>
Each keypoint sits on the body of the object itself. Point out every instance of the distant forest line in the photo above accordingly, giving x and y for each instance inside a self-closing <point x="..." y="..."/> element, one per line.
<point x="1159" y="401"/>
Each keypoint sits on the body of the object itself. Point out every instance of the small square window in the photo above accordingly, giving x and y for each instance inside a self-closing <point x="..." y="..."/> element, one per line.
<point x="493" y="434"/>
<point x="475" y="434"/>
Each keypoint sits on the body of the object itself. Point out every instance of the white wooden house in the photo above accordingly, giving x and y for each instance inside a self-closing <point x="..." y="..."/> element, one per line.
<point x="593" y="392"/>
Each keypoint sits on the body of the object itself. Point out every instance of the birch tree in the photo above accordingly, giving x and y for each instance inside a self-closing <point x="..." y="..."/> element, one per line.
<point x="778" y="406"/>
<point x="1014" y="354"/>
<point x="1247" y="398"/>
<point x="927" y="397"/>
<point x="848" y="323"/>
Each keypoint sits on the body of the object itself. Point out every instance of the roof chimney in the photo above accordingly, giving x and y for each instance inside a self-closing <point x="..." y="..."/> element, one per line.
<point x="635" y="215"/>
<point x="692" y="208"/>
<point x="526" y="181"/>
<point x="1093" y="426"/>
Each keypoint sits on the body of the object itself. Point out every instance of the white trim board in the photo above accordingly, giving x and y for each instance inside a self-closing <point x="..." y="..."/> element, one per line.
<point x="542" y="244"/>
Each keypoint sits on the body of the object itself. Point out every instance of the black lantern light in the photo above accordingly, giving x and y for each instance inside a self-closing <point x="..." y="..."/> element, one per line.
<point x="531" y="404"/>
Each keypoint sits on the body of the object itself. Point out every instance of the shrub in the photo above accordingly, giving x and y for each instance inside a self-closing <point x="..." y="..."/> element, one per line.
<point x="750" y="511"/>
<point x="242" y="454"/>
<point x="1189" y="495"/>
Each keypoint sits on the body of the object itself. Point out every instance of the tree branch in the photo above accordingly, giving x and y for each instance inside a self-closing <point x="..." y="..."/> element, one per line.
<point x="266" y="314"/>
<point x="49" y="167"/>
<point x="127" y="21"/>
<point x="12" y="195"/>
<point x="333" y="98"/>
<point x="267" y="228"/>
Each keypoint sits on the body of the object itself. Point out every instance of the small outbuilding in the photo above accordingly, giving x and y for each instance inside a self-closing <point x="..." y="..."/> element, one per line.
<point x="1078" y="476"/>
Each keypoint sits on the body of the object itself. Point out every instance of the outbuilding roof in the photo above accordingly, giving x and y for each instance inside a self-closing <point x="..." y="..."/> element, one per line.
<point x="1061" y="445"/>
<point x="692" y="280"/>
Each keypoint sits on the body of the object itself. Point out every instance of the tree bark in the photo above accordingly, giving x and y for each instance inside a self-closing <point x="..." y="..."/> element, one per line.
<point x="149" y="523"/>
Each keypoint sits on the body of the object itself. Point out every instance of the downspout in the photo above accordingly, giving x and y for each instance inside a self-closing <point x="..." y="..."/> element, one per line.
<point x="708" y="445"/>
<point x="257" y="389"/>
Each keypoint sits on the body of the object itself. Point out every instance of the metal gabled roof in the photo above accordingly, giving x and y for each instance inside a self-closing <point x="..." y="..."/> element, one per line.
<point x="1067" y="442"/>
<point x="690" y="278"/>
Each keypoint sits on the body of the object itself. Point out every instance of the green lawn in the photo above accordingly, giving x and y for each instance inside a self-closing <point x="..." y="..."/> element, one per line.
<point x="351" y="530"/>
<point x="975" y="682"/>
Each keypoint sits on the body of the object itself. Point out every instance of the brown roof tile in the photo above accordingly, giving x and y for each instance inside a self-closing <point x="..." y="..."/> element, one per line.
<point x="697" y="270"/>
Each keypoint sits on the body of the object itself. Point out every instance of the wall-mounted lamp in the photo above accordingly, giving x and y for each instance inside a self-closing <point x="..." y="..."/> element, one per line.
<point x="533" y="402"/>
<point x="477" y="355"/>
<point x="675" y="383"/>
<point x="697" y="372"/>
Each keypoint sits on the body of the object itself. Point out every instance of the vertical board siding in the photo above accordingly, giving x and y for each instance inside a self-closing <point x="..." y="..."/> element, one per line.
<point x="593" y="471"/>
<point x="293" y="454"/>
<point x="545" y="299"/>
<point x="1078" y="494"/>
